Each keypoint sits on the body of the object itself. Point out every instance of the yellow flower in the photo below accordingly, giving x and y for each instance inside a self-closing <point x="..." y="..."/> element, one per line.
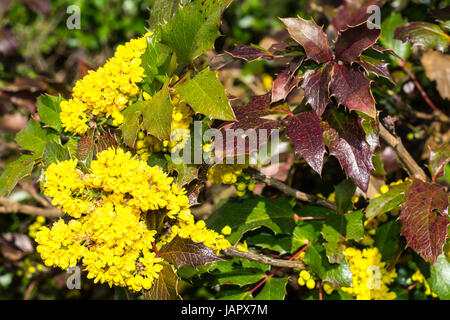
<point x="226" y="230"/>
<point x="225" y="173"/>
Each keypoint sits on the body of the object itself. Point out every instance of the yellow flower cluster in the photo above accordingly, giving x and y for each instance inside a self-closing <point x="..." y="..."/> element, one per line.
<point x="305" y="279"/>
<point x="370" y="276"/>
<point x="106" y="91"/>
<point x="109" y="233"/>
<point x="225" y="173"/>
<point x="419" y="278"/>
<point x="35" y="226"/>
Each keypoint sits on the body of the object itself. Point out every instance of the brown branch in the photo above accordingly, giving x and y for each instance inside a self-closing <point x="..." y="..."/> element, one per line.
<point x="406" y="160"/>
<point x="233" y="252"/>
<point x="299" y="195"/>
<point x="8" y="206"/>
<point x="32" y="191"/>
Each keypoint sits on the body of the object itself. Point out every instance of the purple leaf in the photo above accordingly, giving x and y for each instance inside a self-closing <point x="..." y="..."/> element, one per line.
<point x="307" y="135"/>
<point x="311" y="37"/>
<point x="352" y="89"/>
<point x="424" y="229"/>
<point x="286" y="81"/>
<point x="250" y="53"/>
<point x="353" y="41"/>
<point x="352" y="13"/>
<point x="316" y="86"/>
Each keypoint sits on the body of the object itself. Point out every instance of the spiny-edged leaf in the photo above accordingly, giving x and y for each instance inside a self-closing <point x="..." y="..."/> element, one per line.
<point x="387" y="201"/>
<point x="14" y="171"/>
<point x="316" y="86"/>
<point x="425" y="230"/>
<point x="130" y="126"/>
<point x="354" y="40"/>
<point x="155" y="219"/>
<point x="307" y="136"/>
<point x="286" y="81"/>
<point x="372" y="65"/>
<point x="344" y="193"/>
<point x="193" y="28"/>
<point x="437" y="68"/>
<point x="161" y="12"/>
<point x="424" y="34"/>
<point x="49" y="110"/>
<point x="251" y="214"/>
<point x="250" y="53"/>
<point x="165" y="287"/>
<point x="34" y="138"/>
<point x="157" y="114"/>
<point x="311" y="37"/>
<point x="388" y="26"/>
<point x="85" y="145"/>
<point x="372" y="131"/>
<point x="387" y="237"/>
<point x="440" y="277"/>
<point x="274" y="289"/>
<point x="346" y="140"/>
<point x="206" y="95"/>
<point x="180" y="252"/>
<point x="240" y="276"/>
<point x="352" y="89"/>
<point x="186" y="172"/>
<point x="106" y="140"/>
<point x="54" y="152"/>
<point x="333" y="245"/>
<point x="352" y="13"/>
<point x="439" y="159"/>
<point x="340" y="275"/>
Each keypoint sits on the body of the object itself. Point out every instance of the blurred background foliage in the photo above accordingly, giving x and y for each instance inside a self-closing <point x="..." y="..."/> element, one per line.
<point x="39" y="54"/>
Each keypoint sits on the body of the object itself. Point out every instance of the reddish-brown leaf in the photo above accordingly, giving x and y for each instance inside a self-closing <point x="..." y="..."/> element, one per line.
<point x="307" y="135"/>
<point x="346" y="140"/>
<point x="316" y="86"/>
<point x="378" y="67"/>
<point x="352" y="13"/>
<point x="352" y="89"/>
<point x="85" y="144"/>
<point x="425" y="230"/>
<point x="250" y="53"/>
<point x="185" y="252"/>
<point x="353" y="41"/>
<point x="439" y="159"/>
<point x="286" y="81"/>
<point x="165" y="287"/>
<point x="311" y="37"/>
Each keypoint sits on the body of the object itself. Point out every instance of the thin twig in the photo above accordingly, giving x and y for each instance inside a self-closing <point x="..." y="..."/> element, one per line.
<point x="406" y="160"/>
<point x="8" y="206"/>
<point x="234" y="252"/>
<point x="299" y="195"/>
<point x="32" y="191"/>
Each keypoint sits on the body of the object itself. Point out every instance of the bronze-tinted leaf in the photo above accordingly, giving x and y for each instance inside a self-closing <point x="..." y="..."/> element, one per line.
<point x="346" y="140"/>
<point x="353" y="41"/>
<point x="165" y="287"/>
<point x="378" y="67"/>
<point x="249" y="53"/>
<point x="316" y="86"/>
<point x="307" y="135"/>
<point x="106" y="140"/>
<point x="286" y="81"/>
<point x="85" y="144"/>
<point x="311" y="37"/>
<point x="352" y="13"/>
<point x="425" y="230"/>
<point x="424" y="34"/>
<point x="185" y="252"/>
<point x="352" y="89"/>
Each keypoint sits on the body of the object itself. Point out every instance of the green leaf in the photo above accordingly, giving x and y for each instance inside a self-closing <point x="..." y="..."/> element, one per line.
<point x="240" y="276"/>
<point x="344" y="193"/>
<point x="54" y="152"/>
<point x="14" y="171"/>
<point x="206" y="95"/>
<point x="161" y="12"/>
<point x="165" y="287"/>
<point x="340" y="276"/>
<point x="186" y="172"/>
<point x="440" y="277"/>
<point x="274" y="289"/>
<point x="251" y="214"/>
<point x="281" y="244"/>
<point x="425" y="34"/>
<point x="49" y="110"/>
<point x="387" y="36"/>
<point x="130" y="126"/>
<point x="194" y="28"/>
<point x="387" y="237"/>
<point x="34" y="138"/>
<point x="387" y="201"/>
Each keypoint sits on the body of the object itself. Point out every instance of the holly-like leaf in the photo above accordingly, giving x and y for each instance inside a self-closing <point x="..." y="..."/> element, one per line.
<point x="157" y="114"/>
<point x="251" y="214"/>
<point x="437" y="68"/>
<point x="165" y="287"/>
<point x="378" y="67"/>
<point x="425" y="230"/>
<point x="250" y="53"/>
<point x="286" y="81"/>
<point x="440" y="279"/>
<point x="193" y="28"/>
<point x="49" y="110"/>
<point x="274" y="289"/>
<point x="316" y="86"/>
<point x="14" y="171"/>
<point x="439" y="159"/>
<point x="353" y="41"/>
<point x="34" y="138"/>
<point x="54" y="152"/>
<point x="311" y="37"/>
<point x="181" y="252"/>
<point x="346" y="140"/>
<point x="161" y="12"/>
<point x="306" y="134"/>
<point x="106" y="140"/>
<point x="206" y="95"/>
<point x="352" y="89"/>
<point x="387" y="237"/>
<point x="394" y="20"/>
<point x="85" y="145"/>
<point x="387" y="201"/>
<point x="130" y="127"/>
<point x="424" y="34"/>
<point x="352" y="13"/>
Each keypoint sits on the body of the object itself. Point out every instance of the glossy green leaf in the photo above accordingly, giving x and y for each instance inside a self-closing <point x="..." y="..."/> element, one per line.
<point x="49" y="110"/>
